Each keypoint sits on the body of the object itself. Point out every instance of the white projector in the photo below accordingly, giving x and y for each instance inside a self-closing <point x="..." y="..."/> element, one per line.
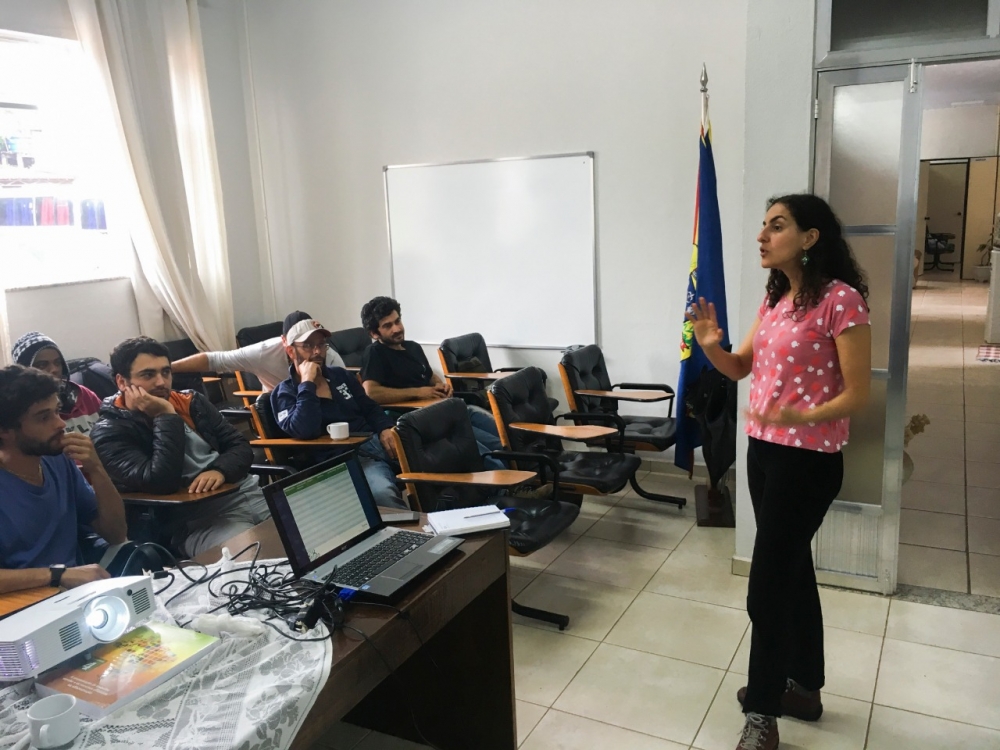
<point x="48" y="633"/>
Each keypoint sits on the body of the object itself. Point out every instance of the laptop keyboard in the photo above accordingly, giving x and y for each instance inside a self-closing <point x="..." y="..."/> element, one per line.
<point x="370" y="563"/>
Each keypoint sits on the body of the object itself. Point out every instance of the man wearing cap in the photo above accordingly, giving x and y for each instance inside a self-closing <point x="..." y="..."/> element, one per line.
<point x="315" y="395"/>
<point x="78" y="405"/>
<point x="265" y="359"/>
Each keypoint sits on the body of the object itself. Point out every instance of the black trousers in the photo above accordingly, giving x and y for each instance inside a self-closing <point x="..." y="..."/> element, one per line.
<point x="791" y="490"/>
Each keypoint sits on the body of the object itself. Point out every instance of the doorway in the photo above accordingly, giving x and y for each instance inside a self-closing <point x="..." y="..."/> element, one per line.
<point x="947" y="190"/>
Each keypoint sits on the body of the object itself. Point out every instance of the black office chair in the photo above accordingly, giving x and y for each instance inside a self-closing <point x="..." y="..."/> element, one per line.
<point x="936" y="245"/>
<point x="350" y="344"/>
<point x="93" y="374"/>
<point x="438" y="439"/>
<point x="208" y="386"/>
<point x="521" y="398"/>
<point x="468" y="353"/>
<point x="585" y="369"/>
<point x="247" y="381"/>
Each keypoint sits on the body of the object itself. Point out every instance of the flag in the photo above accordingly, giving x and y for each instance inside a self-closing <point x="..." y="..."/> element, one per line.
<point x="705" y="279"/>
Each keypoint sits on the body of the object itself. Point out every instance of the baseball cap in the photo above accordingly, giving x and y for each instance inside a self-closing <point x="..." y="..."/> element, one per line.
<point x="302" y="330"/>
<point x="292" y="318"/>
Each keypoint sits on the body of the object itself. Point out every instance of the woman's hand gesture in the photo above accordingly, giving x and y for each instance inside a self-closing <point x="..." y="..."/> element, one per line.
<point x="706" y="325"/>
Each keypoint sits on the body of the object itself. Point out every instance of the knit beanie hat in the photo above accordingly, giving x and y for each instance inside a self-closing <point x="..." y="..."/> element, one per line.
<point x="25" y="348"/>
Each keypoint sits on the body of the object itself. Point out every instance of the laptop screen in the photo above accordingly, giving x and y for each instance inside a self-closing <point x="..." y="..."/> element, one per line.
<point x="321" y="511"/>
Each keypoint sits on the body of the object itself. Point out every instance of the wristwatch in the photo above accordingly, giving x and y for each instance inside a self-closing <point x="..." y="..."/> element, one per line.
<point x="56" y="571"/>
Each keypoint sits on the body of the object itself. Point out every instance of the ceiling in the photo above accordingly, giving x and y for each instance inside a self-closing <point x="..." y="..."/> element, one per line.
<point x="961" y="82"/>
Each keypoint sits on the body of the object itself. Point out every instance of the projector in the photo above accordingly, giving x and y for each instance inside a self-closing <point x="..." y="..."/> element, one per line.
<point x="48" y="633"/>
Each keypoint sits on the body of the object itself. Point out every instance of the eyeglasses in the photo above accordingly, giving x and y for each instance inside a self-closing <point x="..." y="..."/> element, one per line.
<point x="320" y="346"/>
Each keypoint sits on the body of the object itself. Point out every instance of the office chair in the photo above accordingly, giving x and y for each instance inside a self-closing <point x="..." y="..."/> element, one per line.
<point x="585" y="370"/>
<point x="438" y="440"/>
<point x="520" y="399"/>
<point x="468" y="353"/>
<point x="350" y="344"/>
<point x="936" y="245"/>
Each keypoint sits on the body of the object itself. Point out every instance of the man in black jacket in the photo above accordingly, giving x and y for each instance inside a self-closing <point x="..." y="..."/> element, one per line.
<point x="157" y="440"/>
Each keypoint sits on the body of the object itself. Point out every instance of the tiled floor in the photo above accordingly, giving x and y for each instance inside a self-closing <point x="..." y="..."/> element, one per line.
<point x="659" y="641"/>
<point x="950" y="526"/>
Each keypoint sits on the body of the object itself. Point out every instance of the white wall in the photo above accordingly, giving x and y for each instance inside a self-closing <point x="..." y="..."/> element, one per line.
<point x="958" y="132"/>
<point x="778" y="154"/>
<point x="343" y="89"/>
<point x="43" y="17"/>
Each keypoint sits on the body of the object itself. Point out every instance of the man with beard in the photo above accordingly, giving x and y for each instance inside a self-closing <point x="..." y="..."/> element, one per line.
<point x="316" y="395"/>
<point x="394" y="369"/>
<point x="156" y="440"/>
<point x="45" y="496"/>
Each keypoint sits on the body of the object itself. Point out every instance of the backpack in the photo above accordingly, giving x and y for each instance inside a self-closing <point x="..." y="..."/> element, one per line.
<point x="93" y="374"/>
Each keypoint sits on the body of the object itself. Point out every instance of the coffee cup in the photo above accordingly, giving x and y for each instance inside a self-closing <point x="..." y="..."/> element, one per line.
<point x="338" y="430"/>
<point x="53" y="721"/>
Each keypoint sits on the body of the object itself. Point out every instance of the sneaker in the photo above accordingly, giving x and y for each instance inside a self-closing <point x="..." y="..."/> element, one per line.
<point x="759" y="733"/>
<point x="796" y="702"/>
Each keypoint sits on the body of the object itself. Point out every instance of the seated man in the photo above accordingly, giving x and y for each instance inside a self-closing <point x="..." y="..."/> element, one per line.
<point x="78" y="405"/>
<point x="45" y="496"/>
<point x="156" y="440"/>
<point x="314" y="395"/>
<point x="394" y="369"/>
<point x="265" y="359"/>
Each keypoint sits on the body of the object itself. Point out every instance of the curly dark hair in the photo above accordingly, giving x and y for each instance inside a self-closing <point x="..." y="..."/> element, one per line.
<point x="829" y="259"/>
<point x="125" y="353"/>
<point x="20" y="389"/>
<point x="376" y="309"/>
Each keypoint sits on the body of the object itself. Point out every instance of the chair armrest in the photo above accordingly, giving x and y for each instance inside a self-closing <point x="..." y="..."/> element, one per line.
<point x="247" y="394"/>
<point x="236" y="413"/>
<point x="541" y="460"/>
<point x="508" y="369"/>
<point x="598" y="417"/>
<point x="644" y="387"/>
<point x="272" y="470"/>
<point x="496" y="478"/>
<point x="569" y="432"/>
<point x="320" y="442"/>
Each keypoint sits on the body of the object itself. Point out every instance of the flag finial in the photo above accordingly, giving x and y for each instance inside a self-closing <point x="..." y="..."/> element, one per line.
<point x="704" y="79"/>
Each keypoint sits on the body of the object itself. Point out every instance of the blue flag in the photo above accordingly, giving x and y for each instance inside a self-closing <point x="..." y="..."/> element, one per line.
<point x="706" y="279"/>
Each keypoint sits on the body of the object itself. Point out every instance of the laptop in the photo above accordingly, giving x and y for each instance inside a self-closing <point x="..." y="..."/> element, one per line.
<point x="326" y="516"/>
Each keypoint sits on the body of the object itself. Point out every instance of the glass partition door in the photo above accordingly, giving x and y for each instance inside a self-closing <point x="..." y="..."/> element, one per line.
<point x="866" y="166"/>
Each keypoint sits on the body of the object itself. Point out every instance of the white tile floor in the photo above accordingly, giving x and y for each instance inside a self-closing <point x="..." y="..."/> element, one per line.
<point x="659" y="640"/>
<point x="950" y="525"/>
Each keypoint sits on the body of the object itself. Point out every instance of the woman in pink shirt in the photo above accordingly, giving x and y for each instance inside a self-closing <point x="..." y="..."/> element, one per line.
<point x="809" y="357"/>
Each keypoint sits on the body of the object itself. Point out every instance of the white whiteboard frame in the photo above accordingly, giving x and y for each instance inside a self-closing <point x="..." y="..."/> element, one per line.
<point x="594" y="250"/>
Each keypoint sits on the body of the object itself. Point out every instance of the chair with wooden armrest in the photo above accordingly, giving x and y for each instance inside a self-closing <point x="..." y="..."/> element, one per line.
<point x="248" y="386"/>
<point x="443" y="470"/>
<point x="350" y="344"/>
<point x="589" y="390"/>
<point x="526" y="425"/>
<point x="468" y="354"/>
<point x="286" y="455"/>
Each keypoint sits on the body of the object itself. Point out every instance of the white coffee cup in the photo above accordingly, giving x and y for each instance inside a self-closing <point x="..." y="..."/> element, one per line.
<point x="338" y="430"/>
<point x="54" y="721"/>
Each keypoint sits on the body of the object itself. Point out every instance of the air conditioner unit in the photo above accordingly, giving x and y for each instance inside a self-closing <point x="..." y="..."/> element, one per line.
<point x="51" y="631"/>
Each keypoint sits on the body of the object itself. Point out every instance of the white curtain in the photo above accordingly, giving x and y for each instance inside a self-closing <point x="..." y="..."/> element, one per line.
<point x="148" y="56"/>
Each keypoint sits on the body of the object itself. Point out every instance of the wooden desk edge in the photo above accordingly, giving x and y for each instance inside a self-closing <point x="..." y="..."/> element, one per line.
<point x="14" y="601"/>
<point x="570" y="432"/>
<point x="645" y="396"/>
<point x="148" y="498"/>
<point x="493" y="478"/>
<point x="321" y="442"/>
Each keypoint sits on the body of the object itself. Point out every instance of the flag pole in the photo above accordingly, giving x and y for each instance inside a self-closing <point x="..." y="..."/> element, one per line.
<point x="704" y="96"/>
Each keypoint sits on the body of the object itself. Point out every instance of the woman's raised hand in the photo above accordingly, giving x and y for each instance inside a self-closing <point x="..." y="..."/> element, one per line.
<point x="706" y="325"/>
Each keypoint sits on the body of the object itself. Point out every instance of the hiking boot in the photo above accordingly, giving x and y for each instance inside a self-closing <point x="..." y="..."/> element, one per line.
<point x="759" y="733"/>
<point x="796" y="702"/>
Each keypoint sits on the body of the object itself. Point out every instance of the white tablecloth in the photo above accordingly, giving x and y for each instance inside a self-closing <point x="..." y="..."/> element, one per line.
<point x="251" y="693"/>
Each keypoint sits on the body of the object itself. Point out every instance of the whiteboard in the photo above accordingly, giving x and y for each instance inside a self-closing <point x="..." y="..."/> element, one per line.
<point x="504" y="247"/>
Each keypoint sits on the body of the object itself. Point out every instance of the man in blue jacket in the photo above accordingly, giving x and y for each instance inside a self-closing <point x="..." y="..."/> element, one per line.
<point x="316" y="395"/>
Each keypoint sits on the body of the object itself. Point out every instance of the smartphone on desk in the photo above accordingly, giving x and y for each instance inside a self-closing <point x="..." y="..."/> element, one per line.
<point x="403" y="516"/>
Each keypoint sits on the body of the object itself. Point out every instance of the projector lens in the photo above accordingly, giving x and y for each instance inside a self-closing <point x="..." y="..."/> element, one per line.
<point x="107" y="617"/>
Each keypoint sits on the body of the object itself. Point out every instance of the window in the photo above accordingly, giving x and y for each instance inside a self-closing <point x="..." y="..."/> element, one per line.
<point x="57" y="223"/>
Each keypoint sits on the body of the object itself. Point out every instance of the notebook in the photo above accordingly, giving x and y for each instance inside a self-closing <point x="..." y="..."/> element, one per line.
<point x="467" y="520"/>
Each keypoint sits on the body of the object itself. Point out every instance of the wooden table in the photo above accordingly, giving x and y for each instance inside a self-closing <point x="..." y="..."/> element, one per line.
<point x="320" y="442"/>
<point x="457" y="675"/>
<point x="493" y="478"/>
<point x="417" y="403"/>
<point x="645" y="396"/>
<point x="478" y="375"/>
<point x="17" y="600"/>
<point x="147" y="515"/>
<point x="569" y="432"/>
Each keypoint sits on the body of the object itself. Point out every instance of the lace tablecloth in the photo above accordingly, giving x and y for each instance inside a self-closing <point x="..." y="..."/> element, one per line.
<point x="252" y="692"/>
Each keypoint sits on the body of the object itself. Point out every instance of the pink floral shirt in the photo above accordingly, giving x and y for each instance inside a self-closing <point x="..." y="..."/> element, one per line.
<point x="795" y="365"/>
